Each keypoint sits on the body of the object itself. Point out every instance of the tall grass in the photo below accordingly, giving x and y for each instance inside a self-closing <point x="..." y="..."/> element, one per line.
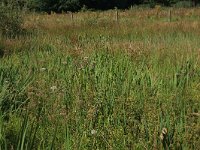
<point x="95" y="84"/>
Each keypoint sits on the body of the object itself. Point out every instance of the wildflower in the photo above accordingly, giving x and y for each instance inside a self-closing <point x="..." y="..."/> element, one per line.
<point x="93" y="132"/>
<point x="53" y="88"/>
<point x="42" y="69"/>
<point x="64" y="63"/>
<point x="85" y="58"/>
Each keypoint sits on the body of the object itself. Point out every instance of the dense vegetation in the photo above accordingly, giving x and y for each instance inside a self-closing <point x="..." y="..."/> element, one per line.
<point x="11" y="19"/>
<point x="95" y="82"/>
<point x="75" y="5"/>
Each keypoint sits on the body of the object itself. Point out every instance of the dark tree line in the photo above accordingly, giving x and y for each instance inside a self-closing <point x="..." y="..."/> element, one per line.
<point x="75" y="5"/>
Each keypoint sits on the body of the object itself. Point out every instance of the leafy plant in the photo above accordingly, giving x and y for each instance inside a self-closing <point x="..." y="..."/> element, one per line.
<point x="11" y="19"/>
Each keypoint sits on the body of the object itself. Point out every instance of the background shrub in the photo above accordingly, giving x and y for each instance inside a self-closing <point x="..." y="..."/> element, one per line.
<point x="184" y="4"/>
<point x="76" y="5"/>
<point x="11" y="19"/>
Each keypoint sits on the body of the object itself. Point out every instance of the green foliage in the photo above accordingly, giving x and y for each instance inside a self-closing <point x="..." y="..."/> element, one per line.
<point x="11" y="19"/>
<point x="76" y="5"/>
<point x="183" y="4"/>
<point x="56" y="5"/>
<point x="69" y="5"/>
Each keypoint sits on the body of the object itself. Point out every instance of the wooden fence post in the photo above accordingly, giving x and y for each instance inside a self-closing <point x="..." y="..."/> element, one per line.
<point x="117" y="15"/>
<point x="170" y="15"/>
<point x="72" y="18"/>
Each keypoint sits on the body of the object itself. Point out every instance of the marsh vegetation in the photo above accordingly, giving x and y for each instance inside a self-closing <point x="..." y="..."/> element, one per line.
<point x="94" y="83"/>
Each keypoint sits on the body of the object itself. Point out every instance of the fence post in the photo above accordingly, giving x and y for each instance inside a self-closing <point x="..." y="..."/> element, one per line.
<point x="170" y="15"/>
<point x="72" y="18"/>
<point x="117" y="15"/>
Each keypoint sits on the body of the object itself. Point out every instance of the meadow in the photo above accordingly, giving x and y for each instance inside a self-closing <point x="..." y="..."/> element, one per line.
<point x="93" y="82"/>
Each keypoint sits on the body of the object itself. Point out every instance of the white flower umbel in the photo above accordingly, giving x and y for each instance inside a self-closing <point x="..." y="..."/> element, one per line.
<point x="43" y="69"/>
<point x="93" y="132"/>
<point x="53" y="88"/>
